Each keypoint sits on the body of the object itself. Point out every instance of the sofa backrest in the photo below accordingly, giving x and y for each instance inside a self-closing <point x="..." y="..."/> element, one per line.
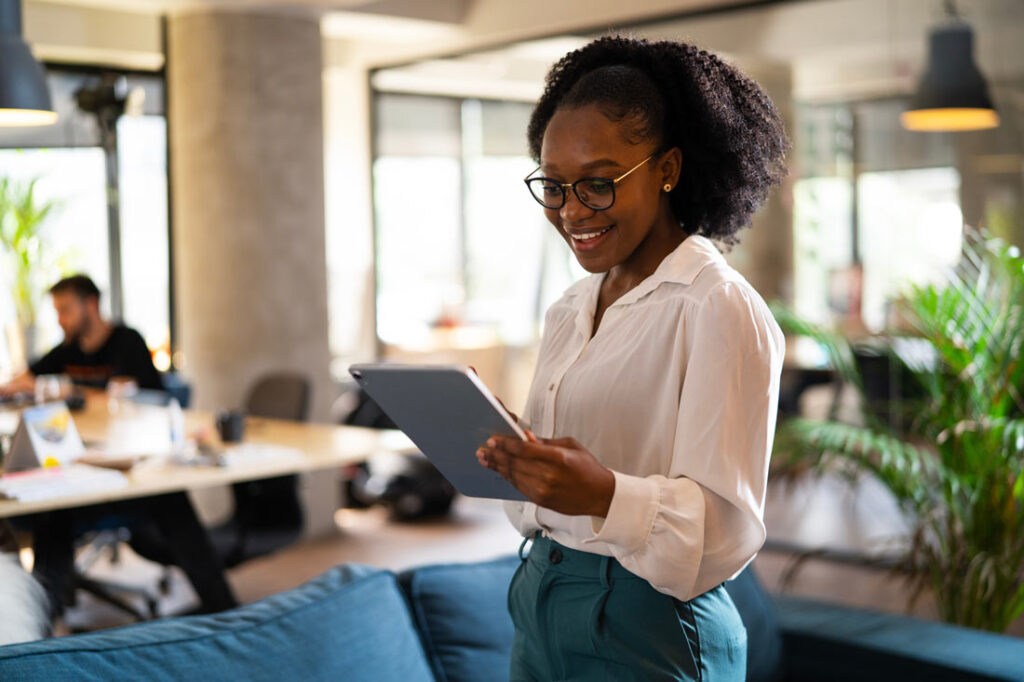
<point x="447" y="622"/>
<point x="461" y="612"/>
<point x="845" y="645"/>
<point x="350" y="623"/>
<point x="462" y="615"/>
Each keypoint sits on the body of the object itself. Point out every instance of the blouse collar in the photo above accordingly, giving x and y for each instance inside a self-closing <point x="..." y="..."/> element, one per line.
<point x="681" y="266"/>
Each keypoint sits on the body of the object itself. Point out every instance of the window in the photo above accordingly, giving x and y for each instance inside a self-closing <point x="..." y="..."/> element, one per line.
<point x="74" y="235"/>
<point x="911" y="232"/>
<point x="68" y="163"/>
<point x="145" y="261"/>
<point x="461" y="245"/>
<point x="876" y="208"/>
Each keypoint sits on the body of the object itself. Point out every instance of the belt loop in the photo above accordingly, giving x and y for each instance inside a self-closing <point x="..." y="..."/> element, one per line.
<point x="523" y="544"/>
<point x="605" y="569"/>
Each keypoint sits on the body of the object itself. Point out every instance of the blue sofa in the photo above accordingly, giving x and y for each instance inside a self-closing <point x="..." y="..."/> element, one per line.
<point x="449" y="623"/>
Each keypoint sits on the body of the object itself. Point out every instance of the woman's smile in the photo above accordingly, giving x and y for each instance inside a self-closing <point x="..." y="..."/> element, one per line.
<point x="636" y="229"/>
<point x="589" y="239"/>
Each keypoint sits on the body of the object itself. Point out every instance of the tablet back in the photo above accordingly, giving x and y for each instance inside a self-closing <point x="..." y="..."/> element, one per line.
<point x="448" y="413"/>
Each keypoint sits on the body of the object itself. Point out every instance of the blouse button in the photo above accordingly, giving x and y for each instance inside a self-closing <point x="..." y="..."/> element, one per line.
<point x="551" y="387"/>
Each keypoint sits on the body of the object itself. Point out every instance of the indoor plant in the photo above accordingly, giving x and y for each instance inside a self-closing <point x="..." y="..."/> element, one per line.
<point x="25" y="249"/>
<point x="953" y="455"/>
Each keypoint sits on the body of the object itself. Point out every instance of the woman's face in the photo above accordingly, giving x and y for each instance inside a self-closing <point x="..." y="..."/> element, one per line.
<point x="583" y="142"/>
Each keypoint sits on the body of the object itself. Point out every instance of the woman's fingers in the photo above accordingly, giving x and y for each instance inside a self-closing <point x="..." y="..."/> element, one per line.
<point x="538" y="478"/>
<point x="527" y="449"/>
<point x="570" y="443"/>
<point x="557" y="473"/>
<point x="512" y="464"/>
<point x="514" y="416"/>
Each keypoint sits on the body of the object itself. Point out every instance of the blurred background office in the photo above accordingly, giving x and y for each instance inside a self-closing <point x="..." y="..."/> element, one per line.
<point x="366" y="162"/>
<point x="295" y="186"/>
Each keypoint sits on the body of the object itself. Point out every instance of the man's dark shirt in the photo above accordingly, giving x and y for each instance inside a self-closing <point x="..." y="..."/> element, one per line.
<point x="123" y="354"/>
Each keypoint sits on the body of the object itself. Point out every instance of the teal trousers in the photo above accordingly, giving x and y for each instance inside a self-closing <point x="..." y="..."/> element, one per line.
<point x="582" y="616"/>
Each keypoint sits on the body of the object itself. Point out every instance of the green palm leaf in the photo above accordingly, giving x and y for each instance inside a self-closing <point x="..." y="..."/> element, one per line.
<point x="958" y="463"/>
<point x="22" y="217"/>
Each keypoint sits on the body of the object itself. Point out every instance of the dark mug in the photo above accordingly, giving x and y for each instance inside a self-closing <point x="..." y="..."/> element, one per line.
<point x="231" y="425"/>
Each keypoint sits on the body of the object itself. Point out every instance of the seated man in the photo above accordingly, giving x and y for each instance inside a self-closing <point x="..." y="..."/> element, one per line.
<point x="93" y="350"/>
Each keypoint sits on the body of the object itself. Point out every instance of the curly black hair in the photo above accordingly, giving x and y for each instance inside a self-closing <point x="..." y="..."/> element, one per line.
<point x="731" y="137"/>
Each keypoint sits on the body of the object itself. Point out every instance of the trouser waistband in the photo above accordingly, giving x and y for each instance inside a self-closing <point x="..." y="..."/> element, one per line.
<point x="551" y="555"/>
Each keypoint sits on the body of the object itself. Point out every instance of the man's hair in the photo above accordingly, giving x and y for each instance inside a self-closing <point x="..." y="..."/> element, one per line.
<point x="80" y="285"/>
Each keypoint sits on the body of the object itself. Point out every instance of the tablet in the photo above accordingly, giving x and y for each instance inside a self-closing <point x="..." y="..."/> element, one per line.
<point x="448" y="413"/>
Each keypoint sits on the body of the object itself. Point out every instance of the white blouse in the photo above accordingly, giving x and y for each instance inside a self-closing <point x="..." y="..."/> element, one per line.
<point x="677" y="394"/>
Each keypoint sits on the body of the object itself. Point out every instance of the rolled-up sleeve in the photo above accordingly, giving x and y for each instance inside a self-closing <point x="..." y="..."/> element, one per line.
<point x="689" y="531"/>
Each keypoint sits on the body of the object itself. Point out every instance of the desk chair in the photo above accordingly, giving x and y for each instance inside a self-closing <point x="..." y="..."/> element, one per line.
<point x="416" y="490"/>
<point x="268" y="514"/>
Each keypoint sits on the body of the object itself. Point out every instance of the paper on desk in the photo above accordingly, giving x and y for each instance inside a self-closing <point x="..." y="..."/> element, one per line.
<point x="245" y="454"/>
<point x="45" y="484"/>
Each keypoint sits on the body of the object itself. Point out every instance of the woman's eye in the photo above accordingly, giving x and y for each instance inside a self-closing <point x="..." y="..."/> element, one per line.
<point x="551" y="189"/>
<point x="600" y="186"/>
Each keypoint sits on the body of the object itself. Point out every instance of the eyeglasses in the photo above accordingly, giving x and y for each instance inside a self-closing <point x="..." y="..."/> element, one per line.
<point x="597" y="194"/>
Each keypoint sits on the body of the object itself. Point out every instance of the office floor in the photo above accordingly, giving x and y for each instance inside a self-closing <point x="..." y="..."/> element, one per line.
<point x="477" y="529"/>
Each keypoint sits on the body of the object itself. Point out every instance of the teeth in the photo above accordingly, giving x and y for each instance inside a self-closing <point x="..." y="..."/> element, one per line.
<point x="590" y="235"/>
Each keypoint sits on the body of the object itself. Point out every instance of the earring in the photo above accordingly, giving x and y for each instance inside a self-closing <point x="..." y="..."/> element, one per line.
<point x="667" y="187"/>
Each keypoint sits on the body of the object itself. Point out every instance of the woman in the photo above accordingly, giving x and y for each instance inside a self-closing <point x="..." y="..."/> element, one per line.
<point x="655" y="391"/>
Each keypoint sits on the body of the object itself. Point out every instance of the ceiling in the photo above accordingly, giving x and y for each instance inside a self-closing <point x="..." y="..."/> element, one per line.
<point x="314" y="6"/>
<point x="833" y="49"/>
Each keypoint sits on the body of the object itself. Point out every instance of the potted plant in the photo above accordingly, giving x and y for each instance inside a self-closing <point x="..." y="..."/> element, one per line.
<point x="25" y="250"/>
<point x="952" y="453"/>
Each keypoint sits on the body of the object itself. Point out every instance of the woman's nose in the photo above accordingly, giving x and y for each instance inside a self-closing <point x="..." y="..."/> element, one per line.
<point x="573" y="209"/>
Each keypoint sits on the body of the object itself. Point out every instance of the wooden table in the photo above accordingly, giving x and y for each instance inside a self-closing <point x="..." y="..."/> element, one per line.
<point x="157" y="487"/>
<point x="319" y="446"/>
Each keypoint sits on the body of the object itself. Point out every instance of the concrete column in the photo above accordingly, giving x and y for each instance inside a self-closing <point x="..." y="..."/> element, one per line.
<point x="246" y="145"/>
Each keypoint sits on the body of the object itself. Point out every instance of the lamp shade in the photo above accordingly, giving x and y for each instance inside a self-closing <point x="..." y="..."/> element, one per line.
<point x="952" y="94"/>
<point x="24" y="96"/>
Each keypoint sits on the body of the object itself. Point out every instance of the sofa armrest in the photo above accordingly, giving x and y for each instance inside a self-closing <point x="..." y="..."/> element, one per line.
<point x="824" y="641"/>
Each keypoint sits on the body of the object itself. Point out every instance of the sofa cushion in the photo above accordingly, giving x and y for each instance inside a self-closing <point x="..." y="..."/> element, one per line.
<point x="461" y="611"/>
<point x="764" y="639"/>
<point x="350" y="623"/>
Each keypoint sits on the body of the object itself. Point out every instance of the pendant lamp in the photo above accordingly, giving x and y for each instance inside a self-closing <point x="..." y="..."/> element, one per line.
<point x="952" y="94"/>
<point x="24" y="96"/>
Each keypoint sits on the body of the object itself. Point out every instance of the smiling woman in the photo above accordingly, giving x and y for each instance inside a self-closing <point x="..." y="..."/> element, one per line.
<point x="653" y="404"/>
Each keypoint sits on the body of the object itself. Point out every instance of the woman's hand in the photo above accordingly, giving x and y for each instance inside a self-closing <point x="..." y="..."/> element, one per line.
<point x="557" y="473"/>
<point x="515" y="417"/>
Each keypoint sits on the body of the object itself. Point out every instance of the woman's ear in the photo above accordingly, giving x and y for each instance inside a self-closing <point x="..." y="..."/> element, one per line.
<point x="670" y="166"/>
